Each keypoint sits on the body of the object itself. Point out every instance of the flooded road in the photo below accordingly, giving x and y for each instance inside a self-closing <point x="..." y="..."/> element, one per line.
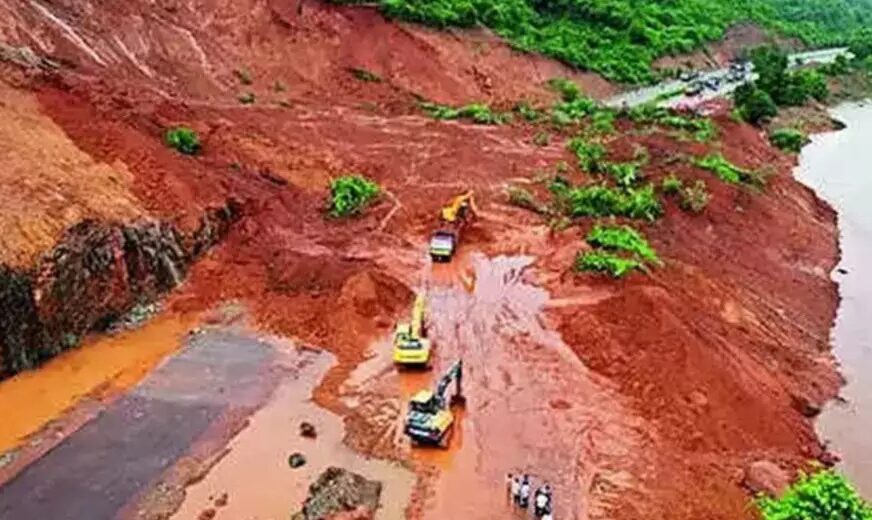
<point x="532" y="406"/>
<point x="837" y="166"/>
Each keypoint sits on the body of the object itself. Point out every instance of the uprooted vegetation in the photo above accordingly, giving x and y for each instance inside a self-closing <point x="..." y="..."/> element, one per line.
<point x="476" y="112"/>
<point x="692" y="198"/>
<point x="350" y="195"/>
<point x="598" y="200"/>
<point x="617" y="251"/>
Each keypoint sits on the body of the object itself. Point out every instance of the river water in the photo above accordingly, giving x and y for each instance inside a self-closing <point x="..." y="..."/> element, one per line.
<point x="838" y="166"/>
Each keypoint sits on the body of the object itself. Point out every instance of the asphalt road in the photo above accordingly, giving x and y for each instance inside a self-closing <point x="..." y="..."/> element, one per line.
<point x="97" y="470"/>
<point x="658" y="93"/>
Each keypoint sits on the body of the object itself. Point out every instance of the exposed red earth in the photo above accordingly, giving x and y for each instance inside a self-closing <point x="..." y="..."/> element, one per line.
<point x="641" y="398"/>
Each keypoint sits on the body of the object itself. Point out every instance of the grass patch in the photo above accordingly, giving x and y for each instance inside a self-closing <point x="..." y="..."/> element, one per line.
<point x="701" y="129"/>
<point x="350" y="195"/>
<point x="788" y="139"/>
<point x="671" y="185"/>
<point x="183" y="140"/>
<point x="625" y="174"/>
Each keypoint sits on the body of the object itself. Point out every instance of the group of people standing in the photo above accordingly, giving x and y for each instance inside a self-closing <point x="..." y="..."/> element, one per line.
<point x="520" y="488"/>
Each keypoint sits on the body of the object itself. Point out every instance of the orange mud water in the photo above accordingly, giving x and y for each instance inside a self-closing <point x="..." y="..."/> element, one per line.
<point x="531" y="405"/>
<point x="255" y="473"/>
<point x="102" y="366"/>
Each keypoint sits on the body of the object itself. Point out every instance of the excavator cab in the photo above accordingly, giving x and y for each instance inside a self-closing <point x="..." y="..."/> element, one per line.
<point x="454" y="218"/>
<point x="429" y="420"/>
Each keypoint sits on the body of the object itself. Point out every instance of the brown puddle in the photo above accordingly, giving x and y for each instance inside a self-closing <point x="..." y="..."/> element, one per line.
<point x="102" y="366"/>
<point x="531" y="407"/>
<point x="255" y="473"/>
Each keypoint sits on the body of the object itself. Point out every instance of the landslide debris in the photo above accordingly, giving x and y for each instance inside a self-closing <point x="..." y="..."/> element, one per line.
<point x="339" y="493"/>
<point x="96" y="273"/>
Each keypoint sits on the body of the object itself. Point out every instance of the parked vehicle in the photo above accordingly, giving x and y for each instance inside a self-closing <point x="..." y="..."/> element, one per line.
<point x="693" y="89"/>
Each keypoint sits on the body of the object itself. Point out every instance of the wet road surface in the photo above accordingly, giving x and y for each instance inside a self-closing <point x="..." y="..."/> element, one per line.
<point x="96" y="471"/>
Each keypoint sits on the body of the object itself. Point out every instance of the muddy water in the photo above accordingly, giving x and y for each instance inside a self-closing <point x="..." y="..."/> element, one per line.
<point x="255" y="473"/>
<point x="837" y="166"/>
<point x="531" y="405"/>
<point x="102" y="365"/>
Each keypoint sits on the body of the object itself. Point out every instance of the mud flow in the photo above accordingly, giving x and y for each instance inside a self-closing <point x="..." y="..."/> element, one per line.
<point x="531" y="405"/>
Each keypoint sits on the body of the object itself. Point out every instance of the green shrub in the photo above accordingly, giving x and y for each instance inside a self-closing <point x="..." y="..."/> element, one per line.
<point x="824" y="495"/>
<point x="350" y="194"/>
<point x="753" y="104"/>
<point x="183" y="139"/>
<point x="247" y="98"/>
<point x="522" y="198"/>
<point x="603" y="201"/>
<point x="567" y="89"/>
<point x="603" y="121"/>
<point x="724" y="169"/>
<point x="542" y="138"/>
<point x="528" y="112"/>
<point x="365" y="75"/>
<point x="243" y="76"/>
<point x="590" y="155"/>
<point x="605" y="262"/>
<point x="622" y="238"/>
<point x="788" y="139"/>
<point x="568" y="112"/>
<point x="671" y="184"/>
<point x="694" y="198"/>
<point x="625" y="174"/>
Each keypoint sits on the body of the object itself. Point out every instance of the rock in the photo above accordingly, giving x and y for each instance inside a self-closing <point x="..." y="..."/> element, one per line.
<point x="307" y="430"/>
<point x="842" y="270"/>
<point x="804" y="406"/>
<point x="339" y="494"/>
<point x="222" y="500"/>
<point x="829" y="458"/>
<point x="207" y="514"/>
<point x="296" y="460"/>
<point x="764" y="476"/>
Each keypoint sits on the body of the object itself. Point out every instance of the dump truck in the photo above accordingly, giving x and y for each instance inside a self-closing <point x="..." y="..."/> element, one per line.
<point x="411" y="345"/>
<point x="454" y="218"/>
<point x="429" y="420"/>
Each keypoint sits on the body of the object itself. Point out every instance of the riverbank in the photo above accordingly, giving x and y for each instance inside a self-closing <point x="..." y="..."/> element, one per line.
<point x="835" y="165"/>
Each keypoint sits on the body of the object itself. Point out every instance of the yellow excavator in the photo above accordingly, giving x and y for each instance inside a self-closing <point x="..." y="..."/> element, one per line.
<point x="454" y="219"/>
<point x="411" y="345"/>
<point x="429" y="420"/>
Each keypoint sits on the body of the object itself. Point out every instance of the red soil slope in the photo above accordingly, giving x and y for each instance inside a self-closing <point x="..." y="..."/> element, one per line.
<point x="704" y="366"/>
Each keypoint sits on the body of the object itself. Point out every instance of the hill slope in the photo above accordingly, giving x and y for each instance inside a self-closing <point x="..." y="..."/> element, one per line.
<point x="620" y="38"/>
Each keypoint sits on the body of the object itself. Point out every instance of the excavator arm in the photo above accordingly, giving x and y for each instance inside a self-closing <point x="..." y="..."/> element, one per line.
<point x="453" y="374"/>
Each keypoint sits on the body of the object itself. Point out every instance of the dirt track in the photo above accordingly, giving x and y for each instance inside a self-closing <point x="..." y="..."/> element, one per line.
<point x="643" y="398"/>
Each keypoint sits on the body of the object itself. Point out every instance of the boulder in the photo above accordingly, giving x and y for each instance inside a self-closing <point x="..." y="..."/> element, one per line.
<point x="339" y="494"/>
<point x="764" y="476"/>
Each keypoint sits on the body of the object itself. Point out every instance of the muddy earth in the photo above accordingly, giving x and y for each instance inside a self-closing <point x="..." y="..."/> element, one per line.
<point x="647" y="397"/>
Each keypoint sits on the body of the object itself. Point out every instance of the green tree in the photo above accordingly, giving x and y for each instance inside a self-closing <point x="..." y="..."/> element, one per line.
<point x="755" y="105"/>
<point x="825" y="495"/>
